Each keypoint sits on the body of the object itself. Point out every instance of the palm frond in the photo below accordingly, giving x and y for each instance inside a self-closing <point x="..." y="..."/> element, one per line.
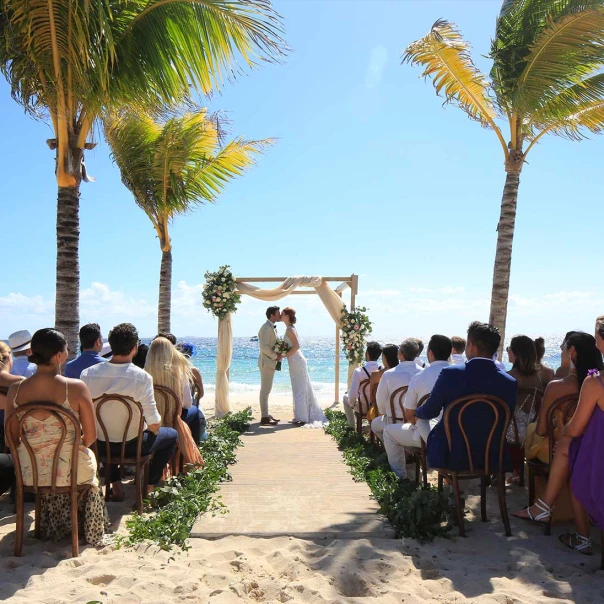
<point x="445" y="57"/>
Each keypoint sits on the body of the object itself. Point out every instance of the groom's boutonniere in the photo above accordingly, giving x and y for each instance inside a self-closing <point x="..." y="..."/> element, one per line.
<point x="281" y="348"/>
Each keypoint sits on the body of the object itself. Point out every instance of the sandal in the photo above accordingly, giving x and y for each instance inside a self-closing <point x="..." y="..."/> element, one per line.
<point x="543" y="518"/>
<point x="577" y="542"/>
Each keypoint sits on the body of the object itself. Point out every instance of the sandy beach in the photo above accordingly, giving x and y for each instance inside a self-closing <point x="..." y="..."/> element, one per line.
<point x="486" y="567"/>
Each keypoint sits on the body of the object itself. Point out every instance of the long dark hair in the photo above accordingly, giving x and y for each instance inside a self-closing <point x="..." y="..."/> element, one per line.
<point x="526" y="355"/>
<point x="588" y="355"/>
<point x="390" y="351"/>
<point x="45" y="344"/>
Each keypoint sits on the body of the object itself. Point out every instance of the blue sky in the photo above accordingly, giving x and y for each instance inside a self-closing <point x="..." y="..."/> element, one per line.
<point x="370" y="175"/>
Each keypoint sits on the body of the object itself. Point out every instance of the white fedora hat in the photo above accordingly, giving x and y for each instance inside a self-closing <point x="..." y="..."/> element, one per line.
<point x="19" y="341"/>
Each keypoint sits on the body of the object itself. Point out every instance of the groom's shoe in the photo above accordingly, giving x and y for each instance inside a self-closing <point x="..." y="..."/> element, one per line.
<point x="269" y="421"/>
<point x="273" y="419"/>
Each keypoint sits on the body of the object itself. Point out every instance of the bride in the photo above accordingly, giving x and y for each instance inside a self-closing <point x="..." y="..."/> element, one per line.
<point x="306" y="409"/>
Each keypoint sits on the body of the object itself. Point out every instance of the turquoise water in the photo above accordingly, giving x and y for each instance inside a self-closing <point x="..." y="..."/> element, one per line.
<point x="320" y="353"/>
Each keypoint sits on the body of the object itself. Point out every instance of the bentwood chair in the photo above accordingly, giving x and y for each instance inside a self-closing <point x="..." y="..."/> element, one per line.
<point x="364" y="404"/>
<point x="15" y="422"/>
<point x="478" y="460"/>
<point x="3" y="448"/>
<point x="170" y="409"/>
<point x="133" y="413"/>
<point x="558" y="415"/>
<point x="418" y="454"/>
<point x="397" y="411"/>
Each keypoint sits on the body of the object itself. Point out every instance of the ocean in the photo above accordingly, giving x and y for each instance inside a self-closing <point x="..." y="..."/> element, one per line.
<point x="320" y="354"/>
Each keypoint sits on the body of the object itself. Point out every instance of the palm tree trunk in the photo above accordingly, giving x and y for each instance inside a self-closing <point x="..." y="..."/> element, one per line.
<point x="67" y="302"/>
<point x="503" y="255"/>
<point x="165" y="292"/>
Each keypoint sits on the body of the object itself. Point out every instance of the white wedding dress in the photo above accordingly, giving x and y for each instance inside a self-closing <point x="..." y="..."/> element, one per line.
<point x="306" y="408"/>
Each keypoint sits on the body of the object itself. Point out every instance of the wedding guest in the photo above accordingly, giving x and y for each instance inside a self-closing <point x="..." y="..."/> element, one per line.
<point x="578" y="456"/>
<point x="584" y="355"/>
<point x="6" y="381"/>
<point x="169" y="336"/>
<point x="188" y="350"/>
<point x="121" y="376"/>
<point x="399" y="436"/>
<point x="44" y="431"/>
<point x="392" y="380"/>
<point x="141" y="355"/>
<point x="479" y="375"/>
<point x="91" y="344"/>
<point x="389" y="361"/>
<point x="459" y="347"/>
<point x="421" y="364"/>
<point x="168" y="367"/>
<point x="546" y="373"/>
<point x="564" y="368"/>
<point x="350" y="403"/>
<point x="522" y="353"/>
<point x="20" y="346"/>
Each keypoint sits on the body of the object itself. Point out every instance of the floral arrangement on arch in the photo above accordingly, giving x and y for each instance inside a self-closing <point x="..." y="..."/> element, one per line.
<point x="355" y="328"/>
<point x="219" y="293"/>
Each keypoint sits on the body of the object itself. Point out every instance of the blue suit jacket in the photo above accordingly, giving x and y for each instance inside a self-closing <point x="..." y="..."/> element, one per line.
<point x="476" y="376"/>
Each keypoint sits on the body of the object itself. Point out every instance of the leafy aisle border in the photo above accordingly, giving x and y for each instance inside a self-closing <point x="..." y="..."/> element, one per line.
<point x="175" y="506"/>
<point x="417" y="512"/>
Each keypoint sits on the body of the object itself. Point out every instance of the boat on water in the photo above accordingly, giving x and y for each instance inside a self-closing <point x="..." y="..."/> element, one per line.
<point x="254" y="339"/>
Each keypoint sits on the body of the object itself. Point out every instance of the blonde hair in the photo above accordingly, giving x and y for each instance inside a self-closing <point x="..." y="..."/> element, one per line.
<point x="4" y="354"/>
<point x="168" y="367"/>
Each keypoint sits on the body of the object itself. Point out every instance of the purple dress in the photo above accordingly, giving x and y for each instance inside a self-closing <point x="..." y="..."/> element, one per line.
<point x="587" y="470"/>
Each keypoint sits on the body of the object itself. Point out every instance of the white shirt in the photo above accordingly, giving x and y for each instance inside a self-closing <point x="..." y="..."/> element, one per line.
<point x="422" y="384"/>
<point x="391" y="380"/>
<point x="358" y="376"/>
<point x="127" y="380"/>
<point x="21" y="366"/>
<point x="187" y="397"/>
<point x="457" y="359"/>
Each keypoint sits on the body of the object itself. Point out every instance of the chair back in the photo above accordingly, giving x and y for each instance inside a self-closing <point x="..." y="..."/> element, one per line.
<point x="3" y="392"/>
<point x="134" y="413"/>
<point x="558" y="415"/>
<point x="397" y="412"/>
<point x="500" y="410"/>
<point x="15" y="423"/>
<point x="423" y="399"/>
<point x="364" y="397"/>
<point x="168" y="405"/>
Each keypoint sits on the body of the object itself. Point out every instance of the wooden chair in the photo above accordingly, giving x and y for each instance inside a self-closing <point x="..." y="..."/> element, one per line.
<point x="139" y="461"/>
<point x="15" y="424"/>
<point x="364" y="404"/>
<point x="397" y="411"/>
<point x="500" y="409"/>
<point x="529" y="400"/>
<point x="418" y="454"/>
<point x="559" y="413"/>
<point x="170" y="409"/>
<point x="3" y="447"/>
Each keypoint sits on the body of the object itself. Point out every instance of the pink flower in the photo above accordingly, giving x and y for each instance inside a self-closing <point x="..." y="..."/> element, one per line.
<point x="356" y="327"/>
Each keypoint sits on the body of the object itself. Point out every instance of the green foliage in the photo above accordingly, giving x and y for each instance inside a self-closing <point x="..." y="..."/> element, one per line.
<point x="418" y="512"/>
<point x="355" y="327"/>
<point x="174" y="506"/>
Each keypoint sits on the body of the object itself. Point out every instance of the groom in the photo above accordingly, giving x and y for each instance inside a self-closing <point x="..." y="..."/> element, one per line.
<point x="267" y="362"/>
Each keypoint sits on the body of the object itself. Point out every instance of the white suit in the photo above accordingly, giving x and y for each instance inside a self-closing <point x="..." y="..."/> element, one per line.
<point x="267" y="361"/>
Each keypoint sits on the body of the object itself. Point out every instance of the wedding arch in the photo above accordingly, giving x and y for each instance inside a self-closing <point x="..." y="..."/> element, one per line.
<point x="331" y="298"/>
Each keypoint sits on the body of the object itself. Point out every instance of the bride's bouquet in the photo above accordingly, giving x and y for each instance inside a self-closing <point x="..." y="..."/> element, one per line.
<point x="281" y="347"/>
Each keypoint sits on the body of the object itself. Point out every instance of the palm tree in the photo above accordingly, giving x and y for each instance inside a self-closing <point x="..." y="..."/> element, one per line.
<point x="172" y="166"/>
<point x="546" y="79"/>
<point x="71" y="61"/>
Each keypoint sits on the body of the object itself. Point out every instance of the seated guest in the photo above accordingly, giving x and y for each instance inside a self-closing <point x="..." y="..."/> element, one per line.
<point x="169" y="336"/>
<point x="91" y="344"/>
<point x="6" y="381"/>
<point x="20" y="347"/>
<point x="121" y="376"/>
<point x="479" y="375"/>
<point x="584" y="355"/>
<point x="170" y="368"/>
<point x="392" y="380"/>
<point x="389" y="361"/>
<point x="350" y="403"/>
<point x="578" y="457"/>
<point x="399" y="436"/>
<point x="188" y="350"/>
<point x="564" y="368"/>
<point x="140" y="357"/>
<point x="546" y="373"/>
<point x="419" y="362"/>
<point x="44" y="431"/>
<point x="459" y="347"/>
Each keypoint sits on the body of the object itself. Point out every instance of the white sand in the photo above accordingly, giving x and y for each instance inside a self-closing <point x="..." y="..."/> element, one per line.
<point x="486" y="567"/>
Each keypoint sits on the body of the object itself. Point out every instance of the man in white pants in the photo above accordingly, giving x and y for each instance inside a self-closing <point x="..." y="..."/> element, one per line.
<point x="398" y="436"/>
<point x="392" y="380"/>
<point x="267" y="362"/>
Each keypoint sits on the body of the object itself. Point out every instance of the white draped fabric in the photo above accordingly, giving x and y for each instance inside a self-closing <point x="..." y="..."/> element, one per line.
<point x="332" y="301"/>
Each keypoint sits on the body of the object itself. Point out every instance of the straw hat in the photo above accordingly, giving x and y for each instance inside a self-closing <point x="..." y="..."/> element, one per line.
<point x="19" y="341"/>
